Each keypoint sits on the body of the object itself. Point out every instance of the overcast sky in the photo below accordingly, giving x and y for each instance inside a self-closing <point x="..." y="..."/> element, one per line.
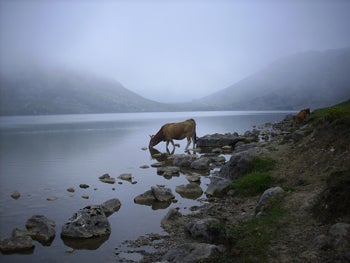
<point x="173" y="50"/>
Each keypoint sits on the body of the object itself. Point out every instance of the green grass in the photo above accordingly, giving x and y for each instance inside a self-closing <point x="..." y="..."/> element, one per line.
<point x="253" y="237"/>
<point x="261" y="164"/>
<point x="339" y="113"/>
<point x="252" y="184"/>
<point x="257" y="180"/>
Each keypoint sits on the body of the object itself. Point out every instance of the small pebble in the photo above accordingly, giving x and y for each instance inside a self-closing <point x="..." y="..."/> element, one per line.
<point x="15" y="195"/>
<point x="70" y="250"/>
<point x="84" y="186"/>
<point x="71" y="190"/>
<point x="85" y="196"/>
<point x="52" y="198"/>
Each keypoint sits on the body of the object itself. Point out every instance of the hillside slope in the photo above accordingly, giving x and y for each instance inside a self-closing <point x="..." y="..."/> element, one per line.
<point x="57" y="91"/>
<point x="311" y="79"/>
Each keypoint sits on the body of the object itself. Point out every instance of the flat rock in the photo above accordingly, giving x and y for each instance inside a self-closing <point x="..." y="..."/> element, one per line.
<point x="191" y="190"/>
<point x="84" y="186"/>
<point x="106" y="178"/>
<point x="17" y="244"/>
<point x="194" y="177"/>
<point x="52" y="198"/>
<point x="147" y="198"/>
<point x="89" y="222"/>
<point x="41" y="228"/>
<point x="126" y="177"/>
<point x="158" y="164"/>
<point x="201" y="164"/>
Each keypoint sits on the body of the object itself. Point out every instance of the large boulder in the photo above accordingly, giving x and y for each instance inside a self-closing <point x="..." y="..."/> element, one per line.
<point x="190" y="252"/>
<point x="216" y="184"/>
<point x="89" y="222"/>
<point x="238" y="164"/>
<point x="41" y="228"/>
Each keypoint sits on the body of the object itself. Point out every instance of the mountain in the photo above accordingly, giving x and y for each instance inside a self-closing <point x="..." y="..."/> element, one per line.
<point x="310" y="79"/>
<point x="58" y="91"/>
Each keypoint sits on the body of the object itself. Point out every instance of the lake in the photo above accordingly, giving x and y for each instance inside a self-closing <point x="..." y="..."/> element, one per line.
<point x="42" y="156"/>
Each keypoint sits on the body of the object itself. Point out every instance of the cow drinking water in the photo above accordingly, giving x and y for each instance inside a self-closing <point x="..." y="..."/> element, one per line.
<point x="175" y="131"/>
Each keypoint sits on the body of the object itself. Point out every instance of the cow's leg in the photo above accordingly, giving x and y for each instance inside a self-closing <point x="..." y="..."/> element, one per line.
<point x="188" y="143"/>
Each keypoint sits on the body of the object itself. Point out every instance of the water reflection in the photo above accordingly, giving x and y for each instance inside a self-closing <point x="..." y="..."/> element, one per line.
<point x="89" y="244"/>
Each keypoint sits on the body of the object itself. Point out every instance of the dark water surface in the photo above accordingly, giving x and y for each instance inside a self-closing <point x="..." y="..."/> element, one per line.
<point x="41" y="156"/>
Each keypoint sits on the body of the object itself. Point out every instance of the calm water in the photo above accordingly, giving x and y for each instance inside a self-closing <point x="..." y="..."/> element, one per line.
<point x="42" y="156"/>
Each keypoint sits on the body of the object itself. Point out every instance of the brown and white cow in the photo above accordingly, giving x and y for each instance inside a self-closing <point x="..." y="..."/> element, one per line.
<point x="175" y="131"/>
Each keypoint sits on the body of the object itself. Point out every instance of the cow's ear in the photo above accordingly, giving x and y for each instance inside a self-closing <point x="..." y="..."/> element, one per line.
<point x="151" y="136"/>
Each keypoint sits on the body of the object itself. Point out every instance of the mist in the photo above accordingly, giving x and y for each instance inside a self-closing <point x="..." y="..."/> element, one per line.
<point x="168" y="51"/>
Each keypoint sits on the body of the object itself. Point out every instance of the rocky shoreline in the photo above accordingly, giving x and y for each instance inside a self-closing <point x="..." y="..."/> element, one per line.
<point x="205" y="235"/>
<point x="211" y="231"/>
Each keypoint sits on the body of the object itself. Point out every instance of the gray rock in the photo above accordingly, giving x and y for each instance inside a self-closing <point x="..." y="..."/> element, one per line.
<point x="173" y="170"/>
<point x="298" y="135"/>
<point x="201" y="164"/>
<point x="17" y="244"/>
<point x="71" y="189"/>
<point x="126" y="177"/>
<point x="106" y="178"/>
<point x="111" y="206"/>
<point x="184" y="160"/>
<point x="89" y="222"/>
<point x="194" y="177"/>
<point x="266" y="196"/>
<point x="15" y="195"/>
<point x="147" y="198"/>
<point x="190" y="252"/>
<point x="172" y="216"/>
<point x="162" y="194"/>
<point x="219" y="140"/>
<point x="158" y="164"/>
<point x="340" y="236"/>
<point x="41" y="228"/>
<point x="241" y="147"/>
<point x="238" y="164"/>
<point x="200" y="229"/>
<point x="191" y="191"/>
<point x="216" y="184"/>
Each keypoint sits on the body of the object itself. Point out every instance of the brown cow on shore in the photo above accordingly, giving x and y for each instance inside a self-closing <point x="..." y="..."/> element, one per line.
<point x="300" y="116"/>
<point x="175" y="131"/>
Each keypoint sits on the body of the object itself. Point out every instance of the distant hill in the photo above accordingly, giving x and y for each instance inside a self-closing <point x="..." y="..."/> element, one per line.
<point x="57" y="91"/>
<point x="311" y="79"/>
